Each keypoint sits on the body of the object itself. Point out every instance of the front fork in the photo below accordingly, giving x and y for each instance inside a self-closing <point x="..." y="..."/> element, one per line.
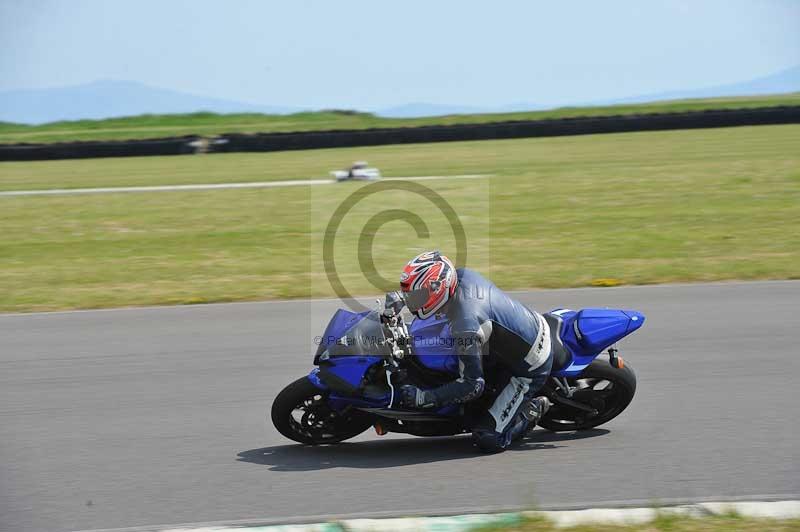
<point x="313" y="377"/>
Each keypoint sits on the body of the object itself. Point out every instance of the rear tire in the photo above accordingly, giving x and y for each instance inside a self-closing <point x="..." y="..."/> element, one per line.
<point x="607" y="389"/>
<point x="301" y="413"/>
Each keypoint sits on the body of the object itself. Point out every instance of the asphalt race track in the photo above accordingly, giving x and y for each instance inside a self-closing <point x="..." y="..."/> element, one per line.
<point x="154" y="416"/>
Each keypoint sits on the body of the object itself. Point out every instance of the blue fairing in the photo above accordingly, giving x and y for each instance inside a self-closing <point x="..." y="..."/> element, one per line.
<point x="348" y="348"/>
<point x="586" y="333"/>
<point x="351" y="369"/>
<point x="339" y="402"/>
<point x="344" y="364"/>
<point x="433" y="344"/>
<point x="351" y="345"/>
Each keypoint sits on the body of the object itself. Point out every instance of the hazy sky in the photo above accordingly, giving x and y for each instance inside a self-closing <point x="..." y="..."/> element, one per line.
<point x="376" y="53"/>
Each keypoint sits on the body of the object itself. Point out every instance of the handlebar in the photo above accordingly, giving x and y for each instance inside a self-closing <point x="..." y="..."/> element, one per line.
<point x="395" y="328"/>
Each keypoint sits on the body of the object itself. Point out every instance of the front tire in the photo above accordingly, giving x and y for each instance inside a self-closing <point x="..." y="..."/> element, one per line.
<point x="607" y="389"/>
<point x="301" y="413"/>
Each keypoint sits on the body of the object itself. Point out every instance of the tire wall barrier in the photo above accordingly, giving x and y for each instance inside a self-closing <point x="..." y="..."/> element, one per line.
<point x="234" y="142"/>
<point x="509" y="130"/>
<point x="88" y="150"/>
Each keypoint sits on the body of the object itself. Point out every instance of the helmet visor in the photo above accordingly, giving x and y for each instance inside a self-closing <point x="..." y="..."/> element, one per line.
<point x="416" y="299"/>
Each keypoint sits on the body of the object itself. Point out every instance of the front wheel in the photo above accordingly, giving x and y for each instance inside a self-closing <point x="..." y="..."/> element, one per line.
<point x="301" y="413"/>
<point x="606" y="389"/>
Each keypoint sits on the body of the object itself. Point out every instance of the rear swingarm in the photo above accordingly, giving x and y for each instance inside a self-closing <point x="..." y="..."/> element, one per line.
<point x="555" y="394"/>
<point x="560" y="399"/>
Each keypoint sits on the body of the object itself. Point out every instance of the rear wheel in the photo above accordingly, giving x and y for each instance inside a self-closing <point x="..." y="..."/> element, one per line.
<point x="301" y="413"/>
<point x="604" y="388"/>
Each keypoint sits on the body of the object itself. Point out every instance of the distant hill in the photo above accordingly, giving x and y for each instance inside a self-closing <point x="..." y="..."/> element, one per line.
<point x="108" y="98"/>
<point x="417" y="109"/>
<point x="780" y="82"/>
<point x="421" y="109"/>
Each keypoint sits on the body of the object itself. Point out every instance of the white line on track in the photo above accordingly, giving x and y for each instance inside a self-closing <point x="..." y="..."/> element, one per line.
<point x="215" y="186"/>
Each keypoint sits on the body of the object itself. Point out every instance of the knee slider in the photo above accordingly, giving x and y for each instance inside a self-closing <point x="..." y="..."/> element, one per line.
<point x="488" y="441"/>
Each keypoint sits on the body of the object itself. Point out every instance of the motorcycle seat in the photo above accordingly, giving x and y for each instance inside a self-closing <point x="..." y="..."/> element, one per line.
<point x="561" y="355"/>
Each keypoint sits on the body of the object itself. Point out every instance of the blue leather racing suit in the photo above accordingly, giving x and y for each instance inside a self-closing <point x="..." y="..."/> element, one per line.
<point x="488" y="324"/>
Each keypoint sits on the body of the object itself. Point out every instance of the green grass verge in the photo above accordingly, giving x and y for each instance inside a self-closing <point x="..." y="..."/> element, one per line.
<point x="730" y="523"/>
<point x="655" y="207"/>
<point x="209" y="124"/>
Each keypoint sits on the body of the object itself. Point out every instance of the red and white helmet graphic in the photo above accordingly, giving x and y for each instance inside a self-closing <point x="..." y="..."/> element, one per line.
<point x="428" y="282"/>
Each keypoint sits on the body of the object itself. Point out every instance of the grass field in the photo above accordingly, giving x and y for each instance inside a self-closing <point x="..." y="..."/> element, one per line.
<point x="731" y="523"/>
<point x="209" y="124"/>
<point x="653" y="207"/>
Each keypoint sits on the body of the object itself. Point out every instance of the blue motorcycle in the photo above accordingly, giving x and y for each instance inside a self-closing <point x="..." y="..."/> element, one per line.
<point x="363" y="358"/>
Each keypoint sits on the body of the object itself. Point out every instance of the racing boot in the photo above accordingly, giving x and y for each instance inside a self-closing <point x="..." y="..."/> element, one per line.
<point x="530" y="412"/>
<point x="534" y="410"/>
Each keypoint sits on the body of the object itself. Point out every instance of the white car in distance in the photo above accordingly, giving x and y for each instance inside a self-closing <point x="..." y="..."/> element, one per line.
<point x="359" y="171"/>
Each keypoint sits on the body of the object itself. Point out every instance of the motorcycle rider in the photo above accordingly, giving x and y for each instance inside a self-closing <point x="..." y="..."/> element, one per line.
<point x="484" y="322"/>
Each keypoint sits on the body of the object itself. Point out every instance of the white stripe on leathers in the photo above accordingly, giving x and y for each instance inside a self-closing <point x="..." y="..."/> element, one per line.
<point x="513" y="394"/>
<point x="541" y="348"/>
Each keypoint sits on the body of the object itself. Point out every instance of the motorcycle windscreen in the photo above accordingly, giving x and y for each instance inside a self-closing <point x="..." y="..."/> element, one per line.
<point x="349" y="333"/>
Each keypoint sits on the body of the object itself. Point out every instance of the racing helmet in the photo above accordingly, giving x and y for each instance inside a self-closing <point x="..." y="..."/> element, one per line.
<point x="427" y="282"/>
